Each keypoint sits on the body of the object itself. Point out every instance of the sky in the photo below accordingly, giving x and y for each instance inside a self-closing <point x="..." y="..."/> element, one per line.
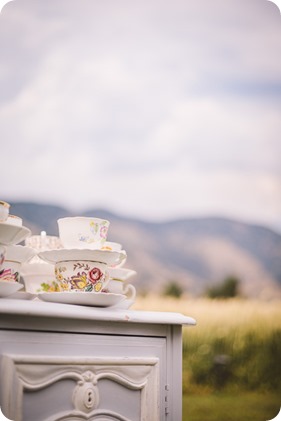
<point x="155" y="109"/>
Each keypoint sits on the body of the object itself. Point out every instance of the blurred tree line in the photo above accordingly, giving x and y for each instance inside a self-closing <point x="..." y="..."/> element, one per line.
<point x="228" y="288"/>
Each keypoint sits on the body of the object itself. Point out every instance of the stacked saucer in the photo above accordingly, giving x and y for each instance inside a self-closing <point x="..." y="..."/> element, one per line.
<point x="38" y="275"/>
<point x="83" y="265"/>
<point x="12" y="255"/>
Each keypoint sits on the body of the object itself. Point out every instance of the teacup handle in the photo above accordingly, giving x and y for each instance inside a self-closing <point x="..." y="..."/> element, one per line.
<point x="121" y="259"/>
<point x="130" y="291"/>
<point x="106" y="279"/>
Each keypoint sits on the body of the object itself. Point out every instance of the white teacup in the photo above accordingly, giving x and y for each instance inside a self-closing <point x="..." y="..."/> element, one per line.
<point x="81" y="275"/>
<point x="119" y="287"/>
<point x="43" y="242"/>
<point x="39" y="277"/>
<point x="83" y="232"/>
<point x="4" y="211"/>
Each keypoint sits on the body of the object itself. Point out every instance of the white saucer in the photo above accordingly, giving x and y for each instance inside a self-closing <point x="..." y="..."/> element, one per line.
<point x="124" y="304"/>
<point x="12" y="234"/>
<point x="9" y="287"/>
<point x="83" y="298"/>
<point x="103" y="256"/>
<point x="19" y="253"/>
<point x="22" y="295"/>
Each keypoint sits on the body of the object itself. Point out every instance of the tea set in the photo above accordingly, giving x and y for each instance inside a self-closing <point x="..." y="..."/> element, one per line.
<point x="78" y="267"/>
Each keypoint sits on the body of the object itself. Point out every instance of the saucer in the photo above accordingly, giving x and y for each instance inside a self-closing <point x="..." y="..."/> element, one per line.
<point x="12" y="234"/>
<point x="124" y="304"/>
<point x="103" y="256"/>
<point x="9" y="287"/>
<point x="19" y="253"/>
<point x="22" y="295"/>
<point x="82" y="298"/>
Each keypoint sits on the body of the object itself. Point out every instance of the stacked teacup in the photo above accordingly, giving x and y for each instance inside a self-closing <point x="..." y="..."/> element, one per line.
<point x="12" y="255"/>
<point x="4" y="211"/>
<point x="38" y="275"/>
<point x="86" y="259"/>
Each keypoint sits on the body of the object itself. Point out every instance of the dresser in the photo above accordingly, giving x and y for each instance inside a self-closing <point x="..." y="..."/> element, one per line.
<point x="61" y="362"/>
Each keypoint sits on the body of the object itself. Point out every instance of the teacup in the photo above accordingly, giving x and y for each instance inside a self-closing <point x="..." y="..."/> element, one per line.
<point x="10" y="271"/>
<point x="4" y="211"/>
<point x="15" y="256"/>
<point x="39" y="277"/>
<point x="83" y="232"/>
<point x="81" y="275"/>
<point x="119" y="287"/>
<point x="43" y="242"/>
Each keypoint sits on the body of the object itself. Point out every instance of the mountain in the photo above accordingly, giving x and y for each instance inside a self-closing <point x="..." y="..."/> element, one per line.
<point x="194" y="252"/>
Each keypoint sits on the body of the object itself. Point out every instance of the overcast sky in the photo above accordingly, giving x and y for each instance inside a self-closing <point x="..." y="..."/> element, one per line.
<point x="154" y="109"/>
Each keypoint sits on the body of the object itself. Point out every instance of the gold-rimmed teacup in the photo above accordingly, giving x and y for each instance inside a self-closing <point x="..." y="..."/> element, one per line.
<point x="81" y="276"/>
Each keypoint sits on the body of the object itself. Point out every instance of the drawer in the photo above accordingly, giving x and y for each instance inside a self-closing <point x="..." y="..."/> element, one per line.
<point x="62" y="376"/>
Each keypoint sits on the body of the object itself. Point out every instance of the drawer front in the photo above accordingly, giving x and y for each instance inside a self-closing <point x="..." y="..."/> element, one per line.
<point x="63" y="377"/>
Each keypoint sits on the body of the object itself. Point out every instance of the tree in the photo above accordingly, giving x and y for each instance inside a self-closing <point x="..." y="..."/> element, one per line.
<point x="227" y="289"/>
<point x="173" y="289"/>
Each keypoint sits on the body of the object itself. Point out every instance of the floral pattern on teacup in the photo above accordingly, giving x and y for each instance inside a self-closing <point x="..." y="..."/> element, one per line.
<point x="100" y="233"/>
<point x="88" y="280"/>
<point x="9" y="275"/>
<point x="49" y="287"/>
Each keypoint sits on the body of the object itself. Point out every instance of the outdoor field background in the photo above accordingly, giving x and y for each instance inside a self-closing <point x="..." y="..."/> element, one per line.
<point x="231" y="358"/>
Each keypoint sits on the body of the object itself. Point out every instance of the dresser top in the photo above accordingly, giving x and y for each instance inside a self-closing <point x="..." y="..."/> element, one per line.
<point x="38" y="308"/>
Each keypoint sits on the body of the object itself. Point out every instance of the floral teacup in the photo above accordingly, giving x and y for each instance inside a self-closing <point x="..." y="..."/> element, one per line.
<point x="15" y="256"/>
<point x="39" y="277"/>
<point x="81" y="275"/>
<point x="83" y="232"/>
<point x="10" y="271"/>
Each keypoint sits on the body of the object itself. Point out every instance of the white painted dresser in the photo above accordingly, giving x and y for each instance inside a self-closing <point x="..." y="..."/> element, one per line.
<point x="64" y="362"/>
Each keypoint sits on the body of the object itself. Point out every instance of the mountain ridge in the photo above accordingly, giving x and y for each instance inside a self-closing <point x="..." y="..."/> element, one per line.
<point x="195" y="252"/>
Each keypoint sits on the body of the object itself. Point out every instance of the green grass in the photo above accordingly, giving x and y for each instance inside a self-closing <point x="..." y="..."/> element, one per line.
<point x="250" y="363"/>
<point x="231" y="358"/>
<point x="245" y="406"/>
<point x="236" y="344"/>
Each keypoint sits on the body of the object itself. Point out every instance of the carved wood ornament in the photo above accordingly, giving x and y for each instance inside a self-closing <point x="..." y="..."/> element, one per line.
<point x="23" y="373"/>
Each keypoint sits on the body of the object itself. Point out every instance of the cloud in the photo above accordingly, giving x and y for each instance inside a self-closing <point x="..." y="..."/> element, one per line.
<point x="155" y="108"/>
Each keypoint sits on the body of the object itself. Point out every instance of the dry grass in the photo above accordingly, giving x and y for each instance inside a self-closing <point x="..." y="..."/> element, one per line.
<point x="220" y="316"/>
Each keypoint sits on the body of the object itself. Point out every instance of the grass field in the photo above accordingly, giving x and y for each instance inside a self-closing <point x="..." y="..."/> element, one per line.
<point x="244" y="406"/>
<point x="231" y="359"/>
